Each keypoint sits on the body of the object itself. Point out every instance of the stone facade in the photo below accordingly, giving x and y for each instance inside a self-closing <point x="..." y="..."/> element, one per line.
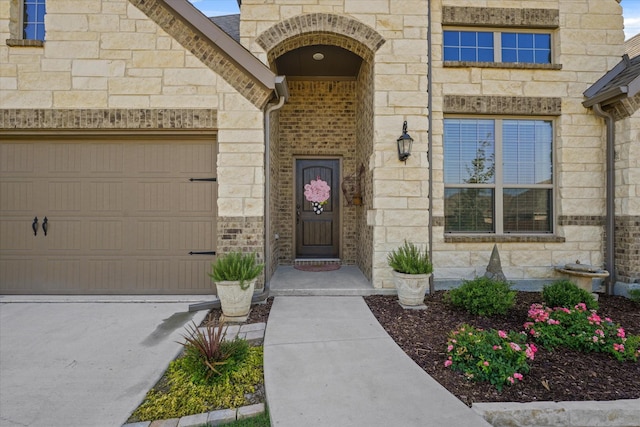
<point x="587" y="41"/>
<point x="129" y="57"/>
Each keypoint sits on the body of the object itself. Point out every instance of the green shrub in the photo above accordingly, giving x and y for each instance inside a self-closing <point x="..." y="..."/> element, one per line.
<point x="498" y="357"/>
<point x="634" y="294"/>
<point x="182" y="397"/>
<point x="410" y="259"/>
<point x="580" y="329"/>
<point x="483" y="296"/>
<point x="236" y="266"/>
<point x="564" y="293"/>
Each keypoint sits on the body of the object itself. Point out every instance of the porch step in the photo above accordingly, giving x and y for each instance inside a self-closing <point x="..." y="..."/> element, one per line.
<point x="347" y="281"/>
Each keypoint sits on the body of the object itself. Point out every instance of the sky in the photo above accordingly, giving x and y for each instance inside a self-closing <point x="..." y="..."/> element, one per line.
<point x="630" y="10"/>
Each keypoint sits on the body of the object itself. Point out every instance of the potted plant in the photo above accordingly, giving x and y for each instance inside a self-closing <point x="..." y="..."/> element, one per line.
<point x="235" y="275"/>
<point x="411" y="271"/>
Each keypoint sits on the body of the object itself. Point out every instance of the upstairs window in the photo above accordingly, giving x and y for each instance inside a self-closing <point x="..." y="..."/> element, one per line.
<point x="497" y="46"/>
<point x="33" y="20"/>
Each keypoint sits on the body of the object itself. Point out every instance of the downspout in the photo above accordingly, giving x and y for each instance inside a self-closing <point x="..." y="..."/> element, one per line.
<point x="610" y="222"/>
<point x="283" y="95"/>
<point x="430" y="141"/>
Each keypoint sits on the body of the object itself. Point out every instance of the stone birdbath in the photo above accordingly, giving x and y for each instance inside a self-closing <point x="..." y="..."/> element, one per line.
<point x="582" y="274"/>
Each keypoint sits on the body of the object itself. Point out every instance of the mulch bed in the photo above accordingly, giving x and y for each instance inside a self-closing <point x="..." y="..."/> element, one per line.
<point x="561" y="375"/>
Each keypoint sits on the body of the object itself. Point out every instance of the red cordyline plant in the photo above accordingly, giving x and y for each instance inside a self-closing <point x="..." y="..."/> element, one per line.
<point x="580" y="329"/>
<point x="206" y="344"/>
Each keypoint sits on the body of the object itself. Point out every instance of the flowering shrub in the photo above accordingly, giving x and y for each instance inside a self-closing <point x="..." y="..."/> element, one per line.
<point x="580" y="329"/>
<point x="496" y="356"/>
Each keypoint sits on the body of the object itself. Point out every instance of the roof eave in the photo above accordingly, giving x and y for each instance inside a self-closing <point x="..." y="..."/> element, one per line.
<point x="605" y="98"/>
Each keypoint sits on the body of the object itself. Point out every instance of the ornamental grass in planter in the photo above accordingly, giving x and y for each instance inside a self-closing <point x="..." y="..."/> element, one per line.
<point x="411" y="270"/>
<point x="235" y="275"/>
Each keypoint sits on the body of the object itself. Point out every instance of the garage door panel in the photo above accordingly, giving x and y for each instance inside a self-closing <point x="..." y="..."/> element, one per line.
<point x="63" y="159"/>
<point x="17" y="274"/>
<point x="154" y="197"/>
<point x="104" y="159"/>
<point x="104" y="197"/>
<point x="17" y="234"/>
<point x="62" y="274"/>
<point x="17" y="159"/>
<point x="106" y="275"/>
<point x="193" y="275"/>
<point x="64" y="196"/>
<point x="196" y="197"/>
<point x="105" y="235"/>
<point x="193" y="235"/>
<point x="63" y="235"/>
<point x="17" y="197"/>
<point x="196" y="158"/>
<point x="153" y="235"/>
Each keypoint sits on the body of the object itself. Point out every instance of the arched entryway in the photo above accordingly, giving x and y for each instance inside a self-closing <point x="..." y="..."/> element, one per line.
<point x="322" y="136"/>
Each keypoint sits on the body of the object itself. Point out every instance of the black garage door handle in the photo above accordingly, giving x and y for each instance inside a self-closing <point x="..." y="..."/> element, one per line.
<point x="34" y="226"/>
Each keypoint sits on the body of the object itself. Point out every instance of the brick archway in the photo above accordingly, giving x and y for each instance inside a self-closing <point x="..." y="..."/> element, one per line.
<point x="320" y="28"/>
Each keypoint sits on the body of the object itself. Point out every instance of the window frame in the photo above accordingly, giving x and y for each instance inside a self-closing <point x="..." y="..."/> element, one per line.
<point x="498" y="185"/>
<point x="497" y="44"/>
<point x="23" y="7"/>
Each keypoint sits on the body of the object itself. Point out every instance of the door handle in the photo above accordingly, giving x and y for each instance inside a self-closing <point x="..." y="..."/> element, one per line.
<point x="34" y="226"/>
<point x="298" y="213"/>
<point x="45" y="225"/>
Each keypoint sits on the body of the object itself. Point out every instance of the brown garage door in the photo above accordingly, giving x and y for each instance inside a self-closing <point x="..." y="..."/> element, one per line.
<point x="121" y="216"/>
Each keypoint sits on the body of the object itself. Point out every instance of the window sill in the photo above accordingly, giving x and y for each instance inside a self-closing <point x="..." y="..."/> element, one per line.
<point x="509" y="65"/>
<point x="25" y="43"/>
<point x="504" y="238"/>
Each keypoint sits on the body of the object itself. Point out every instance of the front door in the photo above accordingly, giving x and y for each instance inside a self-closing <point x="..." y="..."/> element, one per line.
<point x="317" y="208"/>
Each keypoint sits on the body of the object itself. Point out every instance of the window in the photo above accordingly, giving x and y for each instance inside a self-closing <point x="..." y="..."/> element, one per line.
<point x="498" y="175"/>
<point x="496" y="46"/>
<point x="33" y="20"/>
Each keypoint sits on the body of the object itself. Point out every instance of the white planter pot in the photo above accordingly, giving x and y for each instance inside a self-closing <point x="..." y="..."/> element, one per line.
<point x="234" y="301"/>
<point x="411" y="287"/>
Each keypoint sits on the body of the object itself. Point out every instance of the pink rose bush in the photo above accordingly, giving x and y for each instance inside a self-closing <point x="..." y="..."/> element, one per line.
<point x="498" y="357"/>
<point x="580" y="329"/>
<point x="503" y="357"/>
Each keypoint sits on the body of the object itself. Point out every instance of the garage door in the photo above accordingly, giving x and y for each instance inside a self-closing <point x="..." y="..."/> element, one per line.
<point x="107" y="217"/>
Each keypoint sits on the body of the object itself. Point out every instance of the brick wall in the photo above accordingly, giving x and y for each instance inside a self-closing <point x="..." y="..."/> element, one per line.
<point x="318" y="121"/>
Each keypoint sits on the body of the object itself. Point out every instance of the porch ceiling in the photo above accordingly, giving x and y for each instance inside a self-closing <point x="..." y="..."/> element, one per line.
<point x="333" y="62"/>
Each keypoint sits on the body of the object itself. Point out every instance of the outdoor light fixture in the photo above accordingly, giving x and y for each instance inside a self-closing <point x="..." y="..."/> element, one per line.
<point x="404" y="144"/>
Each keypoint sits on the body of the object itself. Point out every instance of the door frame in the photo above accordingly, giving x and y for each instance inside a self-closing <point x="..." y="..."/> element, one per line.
<point x="293" y="203"/>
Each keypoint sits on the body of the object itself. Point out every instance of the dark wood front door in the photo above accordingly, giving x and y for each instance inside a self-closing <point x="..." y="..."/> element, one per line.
<point x="317" y="222"/>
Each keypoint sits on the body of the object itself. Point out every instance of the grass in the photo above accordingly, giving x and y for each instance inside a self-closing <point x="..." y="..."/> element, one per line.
<point x="261" y="420"/>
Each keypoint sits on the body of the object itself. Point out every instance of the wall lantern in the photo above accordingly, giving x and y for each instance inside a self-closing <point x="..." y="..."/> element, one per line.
<point x="404" y="144"/>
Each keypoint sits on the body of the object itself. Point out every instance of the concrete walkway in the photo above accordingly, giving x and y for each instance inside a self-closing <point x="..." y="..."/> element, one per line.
<point x="328" y="362"/>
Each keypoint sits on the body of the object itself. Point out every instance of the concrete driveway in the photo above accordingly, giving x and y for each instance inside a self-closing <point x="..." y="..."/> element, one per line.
<point x="81" y="363"/>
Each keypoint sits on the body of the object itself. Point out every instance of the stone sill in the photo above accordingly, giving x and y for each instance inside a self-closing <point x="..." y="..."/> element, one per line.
<point x="505" y="238"/>
<point x="24" y="43"/>
<point x="509" y="65"/>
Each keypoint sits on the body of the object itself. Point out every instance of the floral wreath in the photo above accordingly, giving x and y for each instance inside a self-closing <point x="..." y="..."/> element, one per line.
<point x="317" y="192"/>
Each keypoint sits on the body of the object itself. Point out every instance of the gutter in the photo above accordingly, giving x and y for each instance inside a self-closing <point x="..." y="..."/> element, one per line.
<point x="282" y="92"/>
<point x="430" y="141"/>
<point x="610" y="222"/>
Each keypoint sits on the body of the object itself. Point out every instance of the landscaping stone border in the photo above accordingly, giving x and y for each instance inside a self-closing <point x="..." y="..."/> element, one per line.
<point x="615" y="413"/>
